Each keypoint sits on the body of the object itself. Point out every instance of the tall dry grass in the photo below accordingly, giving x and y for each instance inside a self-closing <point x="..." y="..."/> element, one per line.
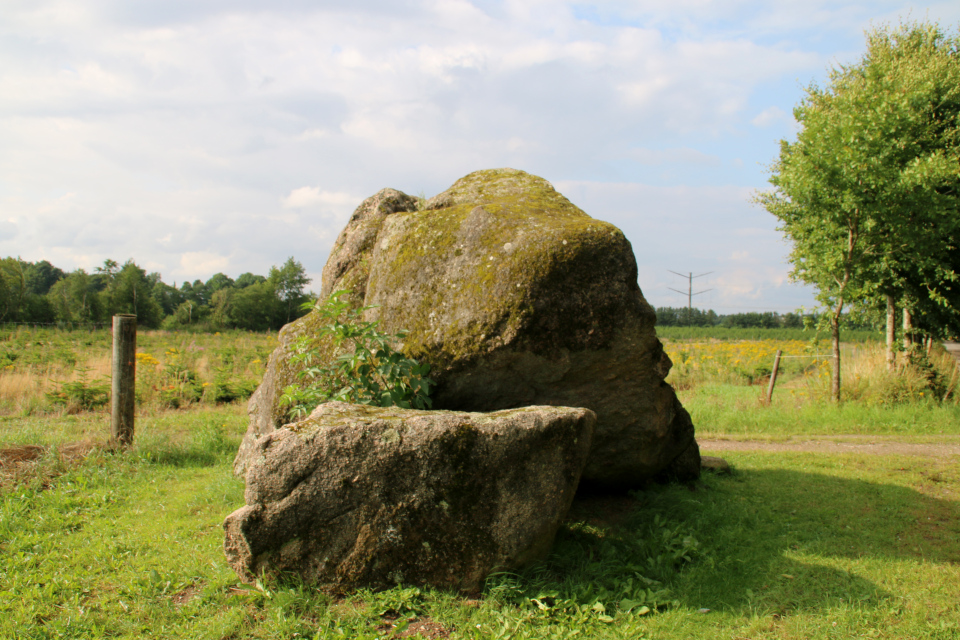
<point x="865" y="377"/>
<point x="173" y="369"/>
<point x="24" y="390"/>
<point x="805" y="370"/>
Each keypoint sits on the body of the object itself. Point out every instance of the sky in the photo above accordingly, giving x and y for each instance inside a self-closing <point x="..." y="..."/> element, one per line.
<point x="205" y="136"/>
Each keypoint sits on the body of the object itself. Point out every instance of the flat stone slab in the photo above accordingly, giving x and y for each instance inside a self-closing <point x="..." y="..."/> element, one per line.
<point x="358" y="496"/>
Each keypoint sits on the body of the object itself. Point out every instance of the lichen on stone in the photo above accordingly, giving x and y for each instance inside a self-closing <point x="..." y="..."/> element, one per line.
<point x="514" y="296"/>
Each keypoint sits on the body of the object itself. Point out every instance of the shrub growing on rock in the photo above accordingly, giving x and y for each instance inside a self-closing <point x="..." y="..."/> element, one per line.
<point x="367" y="370"/>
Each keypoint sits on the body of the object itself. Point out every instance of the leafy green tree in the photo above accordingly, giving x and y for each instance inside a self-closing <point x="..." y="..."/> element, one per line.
<point x="13" y="289"/>
<point x="75" y="298"/>
<point x="168" y="297"/>
<point x="106" y="274"/>
<point x="247" y="279"/>
<point x="868" y="191"/>
<point x="289" y="282"/>
<point x="131" y="292"/>
<point x="189" y="312"/>
<point x="220" y="307"/>
<point x="217" y="282"/>
<point x="686" y="317"/>
<point x="41" y="276"/>
<point x="255" y="307"/>
<point x="197" y="292"/>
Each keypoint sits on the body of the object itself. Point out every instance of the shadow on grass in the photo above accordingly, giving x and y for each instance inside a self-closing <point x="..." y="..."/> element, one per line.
<point x="760" y="541"/>
<point x="206" y="447"/>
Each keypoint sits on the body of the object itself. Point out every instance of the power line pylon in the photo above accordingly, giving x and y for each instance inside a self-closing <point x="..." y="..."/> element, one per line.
<point x="689" y="276"/>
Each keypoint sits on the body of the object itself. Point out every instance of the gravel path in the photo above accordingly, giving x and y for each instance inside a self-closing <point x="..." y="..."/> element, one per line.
<point x="864" y="445"/>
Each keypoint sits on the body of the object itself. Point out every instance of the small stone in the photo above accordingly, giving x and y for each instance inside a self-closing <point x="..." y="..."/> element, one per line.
<point x="716" y="465"/>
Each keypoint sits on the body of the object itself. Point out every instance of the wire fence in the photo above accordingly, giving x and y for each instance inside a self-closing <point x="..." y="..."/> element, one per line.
<point x="66" y="326"/>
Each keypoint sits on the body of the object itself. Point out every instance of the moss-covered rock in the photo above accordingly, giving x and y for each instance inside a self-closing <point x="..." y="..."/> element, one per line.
<point x="515" y="297"/>
<point x="358" y="496"/>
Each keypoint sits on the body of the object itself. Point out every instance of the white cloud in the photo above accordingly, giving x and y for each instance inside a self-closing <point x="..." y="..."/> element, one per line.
<point x="201" y="264"/>
<point x="186" y="132"/>
<point x="769" y="116"/>
<point x="313" y="196"/>
<point x="699" y="230"/>
<point x="683" y="155"/>
<point x="315" y="133"/>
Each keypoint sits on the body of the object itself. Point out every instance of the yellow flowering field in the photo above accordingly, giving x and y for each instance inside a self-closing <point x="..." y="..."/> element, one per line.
<point x="742" y="362"/>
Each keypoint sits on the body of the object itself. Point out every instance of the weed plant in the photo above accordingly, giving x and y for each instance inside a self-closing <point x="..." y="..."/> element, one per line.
<point x="365" y="368"/>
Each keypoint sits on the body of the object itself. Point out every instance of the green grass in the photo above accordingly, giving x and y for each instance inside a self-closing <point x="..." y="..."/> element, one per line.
<point x="739" y="411"/>
<point x="791" y="545"/>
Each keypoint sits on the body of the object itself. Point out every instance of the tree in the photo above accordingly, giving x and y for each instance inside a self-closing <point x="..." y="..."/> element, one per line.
<point x="41" y="276"/>
<point x="13" y="289"/>
<point x="255" y="307"/>
<point x="131" y="292"/>
<point x="220" y="306"/>
<point x="217" y="282"/>
<point x="75" y="298"/>
<point x="289" y="282"/>
<point x="247" y="279"/>
<point x="167" y="296"/>
<point x="868" y="193"/>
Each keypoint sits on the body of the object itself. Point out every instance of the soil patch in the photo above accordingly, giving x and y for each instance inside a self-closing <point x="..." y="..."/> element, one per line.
<point x="186" y="595"/>
<point x="16" y="462"/>
<point x="421" y="627"/>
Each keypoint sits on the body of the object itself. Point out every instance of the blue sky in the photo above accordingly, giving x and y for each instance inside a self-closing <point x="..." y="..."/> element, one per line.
<point x="212" y="135"/>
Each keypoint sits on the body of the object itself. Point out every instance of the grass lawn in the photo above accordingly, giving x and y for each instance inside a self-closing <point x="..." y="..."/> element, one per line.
<point x="734" y="411"/>
<point x="791" y="545"/>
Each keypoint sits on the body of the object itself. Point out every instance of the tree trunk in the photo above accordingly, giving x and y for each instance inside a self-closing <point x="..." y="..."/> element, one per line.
<point x="907" y="329"/>
<point x="891" y="333"/>
<point x="835" y="377"/>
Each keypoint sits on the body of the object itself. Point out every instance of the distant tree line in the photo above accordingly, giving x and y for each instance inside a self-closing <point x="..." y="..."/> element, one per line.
<point x="39" y="292"/>
<point x="684" y="317"/>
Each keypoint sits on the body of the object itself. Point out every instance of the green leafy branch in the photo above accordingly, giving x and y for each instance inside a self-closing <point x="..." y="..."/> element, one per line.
<point x="366" y="370"/>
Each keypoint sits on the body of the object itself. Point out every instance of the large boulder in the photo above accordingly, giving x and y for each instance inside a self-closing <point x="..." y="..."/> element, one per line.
<point x="516" y="297"/>
<point x="362" y="496"/>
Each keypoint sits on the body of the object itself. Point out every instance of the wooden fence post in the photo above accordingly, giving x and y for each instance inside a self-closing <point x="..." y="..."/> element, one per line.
<point x="773" y="376"/>
<point x="124" y="378"/>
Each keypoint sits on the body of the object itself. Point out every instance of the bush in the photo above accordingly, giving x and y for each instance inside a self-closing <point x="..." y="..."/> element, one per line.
<point x="366" y="371"/>
<point x="226" y="389"/>
<point x="80" y="394"/>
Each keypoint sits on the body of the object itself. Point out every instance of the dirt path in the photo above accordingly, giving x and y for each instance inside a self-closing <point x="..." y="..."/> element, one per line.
<point x="871" y="445"/>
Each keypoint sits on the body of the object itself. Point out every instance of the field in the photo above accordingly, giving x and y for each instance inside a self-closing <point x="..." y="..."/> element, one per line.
<point x="792" y="544"/>
<point x="744" y="333"/>
<point x="50" y="369"/>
